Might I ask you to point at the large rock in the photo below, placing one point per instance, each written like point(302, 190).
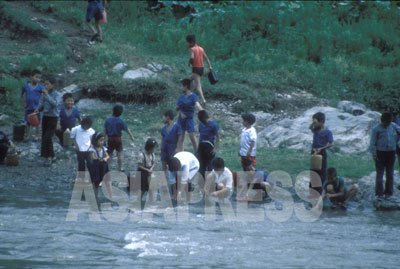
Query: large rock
point(138, 73)
point(75, 90)
point(93, 104)
point(352, 107)
point(367, 194)
point(157, 68)
point(351, 133)
point(120, 67)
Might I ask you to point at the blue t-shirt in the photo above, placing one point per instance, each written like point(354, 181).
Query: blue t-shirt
point(321, 138)
point(68, 121)
point(32, 95)
point(338, 186)
point(187, 103)
point(208, 131)
point(114, 126)
point(171, 138)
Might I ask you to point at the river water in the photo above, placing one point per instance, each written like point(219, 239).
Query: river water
point(35, 233)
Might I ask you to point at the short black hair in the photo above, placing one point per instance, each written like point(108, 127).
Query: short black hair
point(174, 164)
point(202, 115)
point(191, 39)
point(36, 72)
point(117, 110)
point(67, 95)
point(87, 121)
point(386, 117)
point(218, 163)
point(169, 114)
point(151, 143)
point(186, 82)
point(51, 79)
point(250, 118)
point(331, 171)
point(96, 136)
point(319, 116)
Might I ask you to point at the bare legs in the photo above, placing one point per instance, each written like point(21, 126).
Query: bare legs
point(197, 84)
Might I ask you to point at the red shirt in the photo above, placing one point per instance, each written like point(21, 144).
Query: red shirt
point(198, 58)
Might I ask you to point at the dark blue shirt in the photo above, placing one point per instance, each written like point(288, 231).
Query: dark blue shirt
point(338, 186)
point(114, 126)
point(187, 103)
point(32, 95)
point(321, 138)
point(384, 139)
point(68, 120)
point(171, 138)
point(208, 131)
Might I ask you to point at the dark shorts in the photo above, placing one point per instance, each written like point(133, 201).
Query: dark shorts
point(114, 143)
point(398, 151)
point(198, 70)
point(94, 10)
point(186, 124)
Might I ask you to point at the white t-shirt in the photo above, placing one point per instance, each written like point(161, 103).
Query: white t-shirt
point(225, 178)
point(248, 135)
point(189, 165)
point(82, 137)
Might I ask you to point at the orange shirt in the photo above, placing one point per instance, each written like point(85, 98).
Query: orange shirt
point(198, 60)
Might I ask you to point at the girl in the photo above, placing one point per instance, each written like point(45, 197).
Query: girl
point(98, 162)
point(146, 166)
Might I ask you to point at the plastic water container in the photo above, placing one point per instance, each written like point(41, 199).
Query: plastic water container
point(67, 138)
point(316, 162)
point(19, 132)
point(33, 119)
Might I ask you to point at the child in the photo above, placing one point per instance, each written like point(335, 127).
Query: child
point(32, 91)
point(146, 166)
point(68, 116)
point(322, 139)
point(95, 10)
point(48, 106)
point(186, 105)
point(208, 141)
point(113, 128)
point(248, 140)
point(197, 55)
point(82, 135)
point(170, 134)
point(98, 162)
point(219, 182)
point(336, 190)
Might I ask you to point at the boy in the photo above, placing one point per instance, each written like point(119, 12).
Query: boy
point(113, 128)
point(255, 180)
point(185, 166)
point(248, 140)
point(170, 135)
point(336, 191)
point(32, 91)
point(82, 135)
point(208, 141)
point(197, 55)
point(95, 10)
point(219, 182)
point(68, 116)
point(48, 106)
point(383, 150)
point(322, 139)
point(186, 105)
